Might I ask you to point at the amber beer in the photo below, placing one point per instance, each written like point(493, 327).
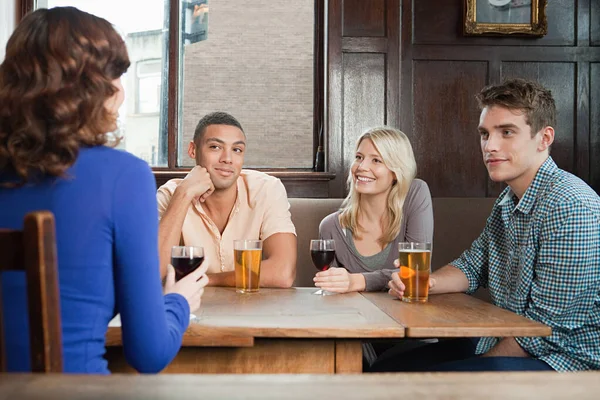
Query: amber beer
point(247, 256)
point(415, 267)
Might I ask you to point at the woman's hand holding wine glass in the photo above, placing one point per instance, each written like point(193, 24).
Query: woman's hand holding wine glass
point(186, 274)
point(339, 280)
point(322, 253)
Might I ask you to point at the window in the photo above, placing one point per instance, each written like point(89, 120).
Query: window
point(254, 60)
point(148, 74)
point(257, 64)
point(142, 30)
point(7, 21)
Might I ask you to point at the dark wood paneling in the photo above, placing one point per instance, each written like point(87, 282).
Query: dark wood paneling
point(595, 23)
point(334, 97)
point(364, 99)
point(441, 22)
point(319, 88)
point(392, 116)
point(173, 86)
point(444, 135)
point(560, 79)
point(364, 18)
point(505, 53)
point(406, 64)
point(439, 71)
point(364, 45)
point(583, 22)
point(582, 122)
point(595, 126)
point(364, 74)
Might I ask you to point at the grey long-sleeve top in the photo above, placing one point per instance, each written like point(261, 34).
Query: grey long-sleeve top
point(416, 226)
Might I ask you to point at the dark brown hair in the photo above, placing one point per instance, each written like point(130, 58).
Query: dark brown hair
point(531, 98)
point(54, 82)
point(215, 118)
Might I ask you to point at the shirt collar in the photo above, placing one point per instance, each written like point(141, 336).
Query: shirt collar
point(542, 179)
point(508, 197)
point(241, 193)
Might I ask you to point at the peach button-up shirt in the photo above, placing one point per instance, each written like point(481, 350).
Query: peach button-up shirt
point(261, 209)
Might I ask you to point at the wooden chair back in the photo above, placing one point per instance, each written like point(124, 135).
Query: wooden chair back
point(33, 250)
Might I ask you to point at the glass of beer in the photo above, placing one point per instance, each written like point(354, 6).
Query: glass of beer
point(247, 256)
point(415, 267)
point(186, 259)
point(322, 253)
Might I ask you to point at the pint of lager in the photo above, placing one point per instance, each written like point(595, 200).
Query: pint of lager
point(247, 256)
point(415, 267)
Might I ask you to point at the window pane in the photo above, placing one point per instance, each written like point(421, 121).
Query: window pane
point(148, 86)
point(7, 21)
point(257, 64)
point(141, 25)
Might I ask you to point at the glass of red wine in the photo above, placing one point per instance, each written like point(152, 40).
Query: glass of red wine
point(186, 259)
point(322, 253)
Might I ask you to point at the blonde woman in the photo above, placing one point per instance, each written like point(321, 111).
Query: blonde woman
point(385, 205)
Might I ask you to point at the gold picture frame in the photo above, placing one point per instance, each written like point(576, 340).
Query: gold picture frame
point(505, 17)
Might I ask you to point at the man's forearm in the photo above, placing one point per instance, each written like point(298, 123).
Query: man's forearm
point(449, 279)
point(169, 229)
point(507, 347)
point(278, 268)
point(222, 279)
point(274, 273)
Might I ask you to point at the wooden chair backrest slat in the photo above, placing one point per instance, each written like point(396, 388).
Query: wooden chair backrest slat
point(33, 250)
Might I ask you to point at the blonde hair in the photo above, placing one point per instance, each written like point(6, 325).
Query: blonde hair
point(397, 154)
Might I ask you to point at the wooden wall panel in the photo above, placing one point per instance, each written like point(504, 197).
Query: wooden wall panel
point(444, 135)
point(595, 126)
point(364, 99)
point(435, 72)
point(364, 18)
point(560, 79)
point(441, 22)
point(595, 23)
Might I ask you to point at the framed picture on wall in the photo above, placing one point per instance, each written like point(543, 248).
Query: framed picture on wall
point(505, 17)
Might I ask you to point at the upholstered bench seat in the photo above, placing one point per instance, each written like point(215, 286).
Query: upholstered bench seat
point(457, 222)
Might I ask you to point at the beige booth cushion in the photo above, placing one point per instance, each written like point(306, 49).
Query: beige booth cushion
point(306, 216)
point(457, 222)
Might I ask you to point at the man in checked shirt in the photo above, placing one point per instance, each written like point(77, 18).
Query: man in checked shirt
point(539, 253)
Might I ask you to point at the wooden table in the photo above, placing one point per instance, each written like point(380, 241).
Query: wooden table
point(456, 315)
point(274, 331)
point(436, 386)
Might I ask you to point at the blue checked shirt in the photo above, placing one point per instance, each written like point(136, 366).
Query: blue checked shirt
point(540, 258)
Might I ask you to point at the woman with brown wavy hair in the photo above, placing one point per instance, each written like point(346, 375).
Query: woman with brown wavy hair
point(60, 92)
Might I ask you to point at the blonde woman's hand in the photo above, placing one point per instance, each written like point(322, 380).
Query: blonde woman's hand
point(339, 280)
point(191, 286)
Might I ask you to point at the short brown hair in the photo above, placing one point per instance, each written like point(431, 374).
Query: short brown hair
point(534, 100)
point(215, 118)
point(54, 81)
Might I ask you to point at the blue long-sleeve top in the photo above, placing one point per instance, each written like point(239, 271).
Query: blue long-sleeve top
point(107, 247)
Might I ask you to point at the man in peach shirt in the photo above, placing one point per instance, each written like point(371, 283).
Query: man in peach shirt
point(218, 202)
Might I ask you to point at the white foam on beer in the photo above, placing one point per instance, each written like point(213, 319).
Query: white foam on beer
point(415, 251)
